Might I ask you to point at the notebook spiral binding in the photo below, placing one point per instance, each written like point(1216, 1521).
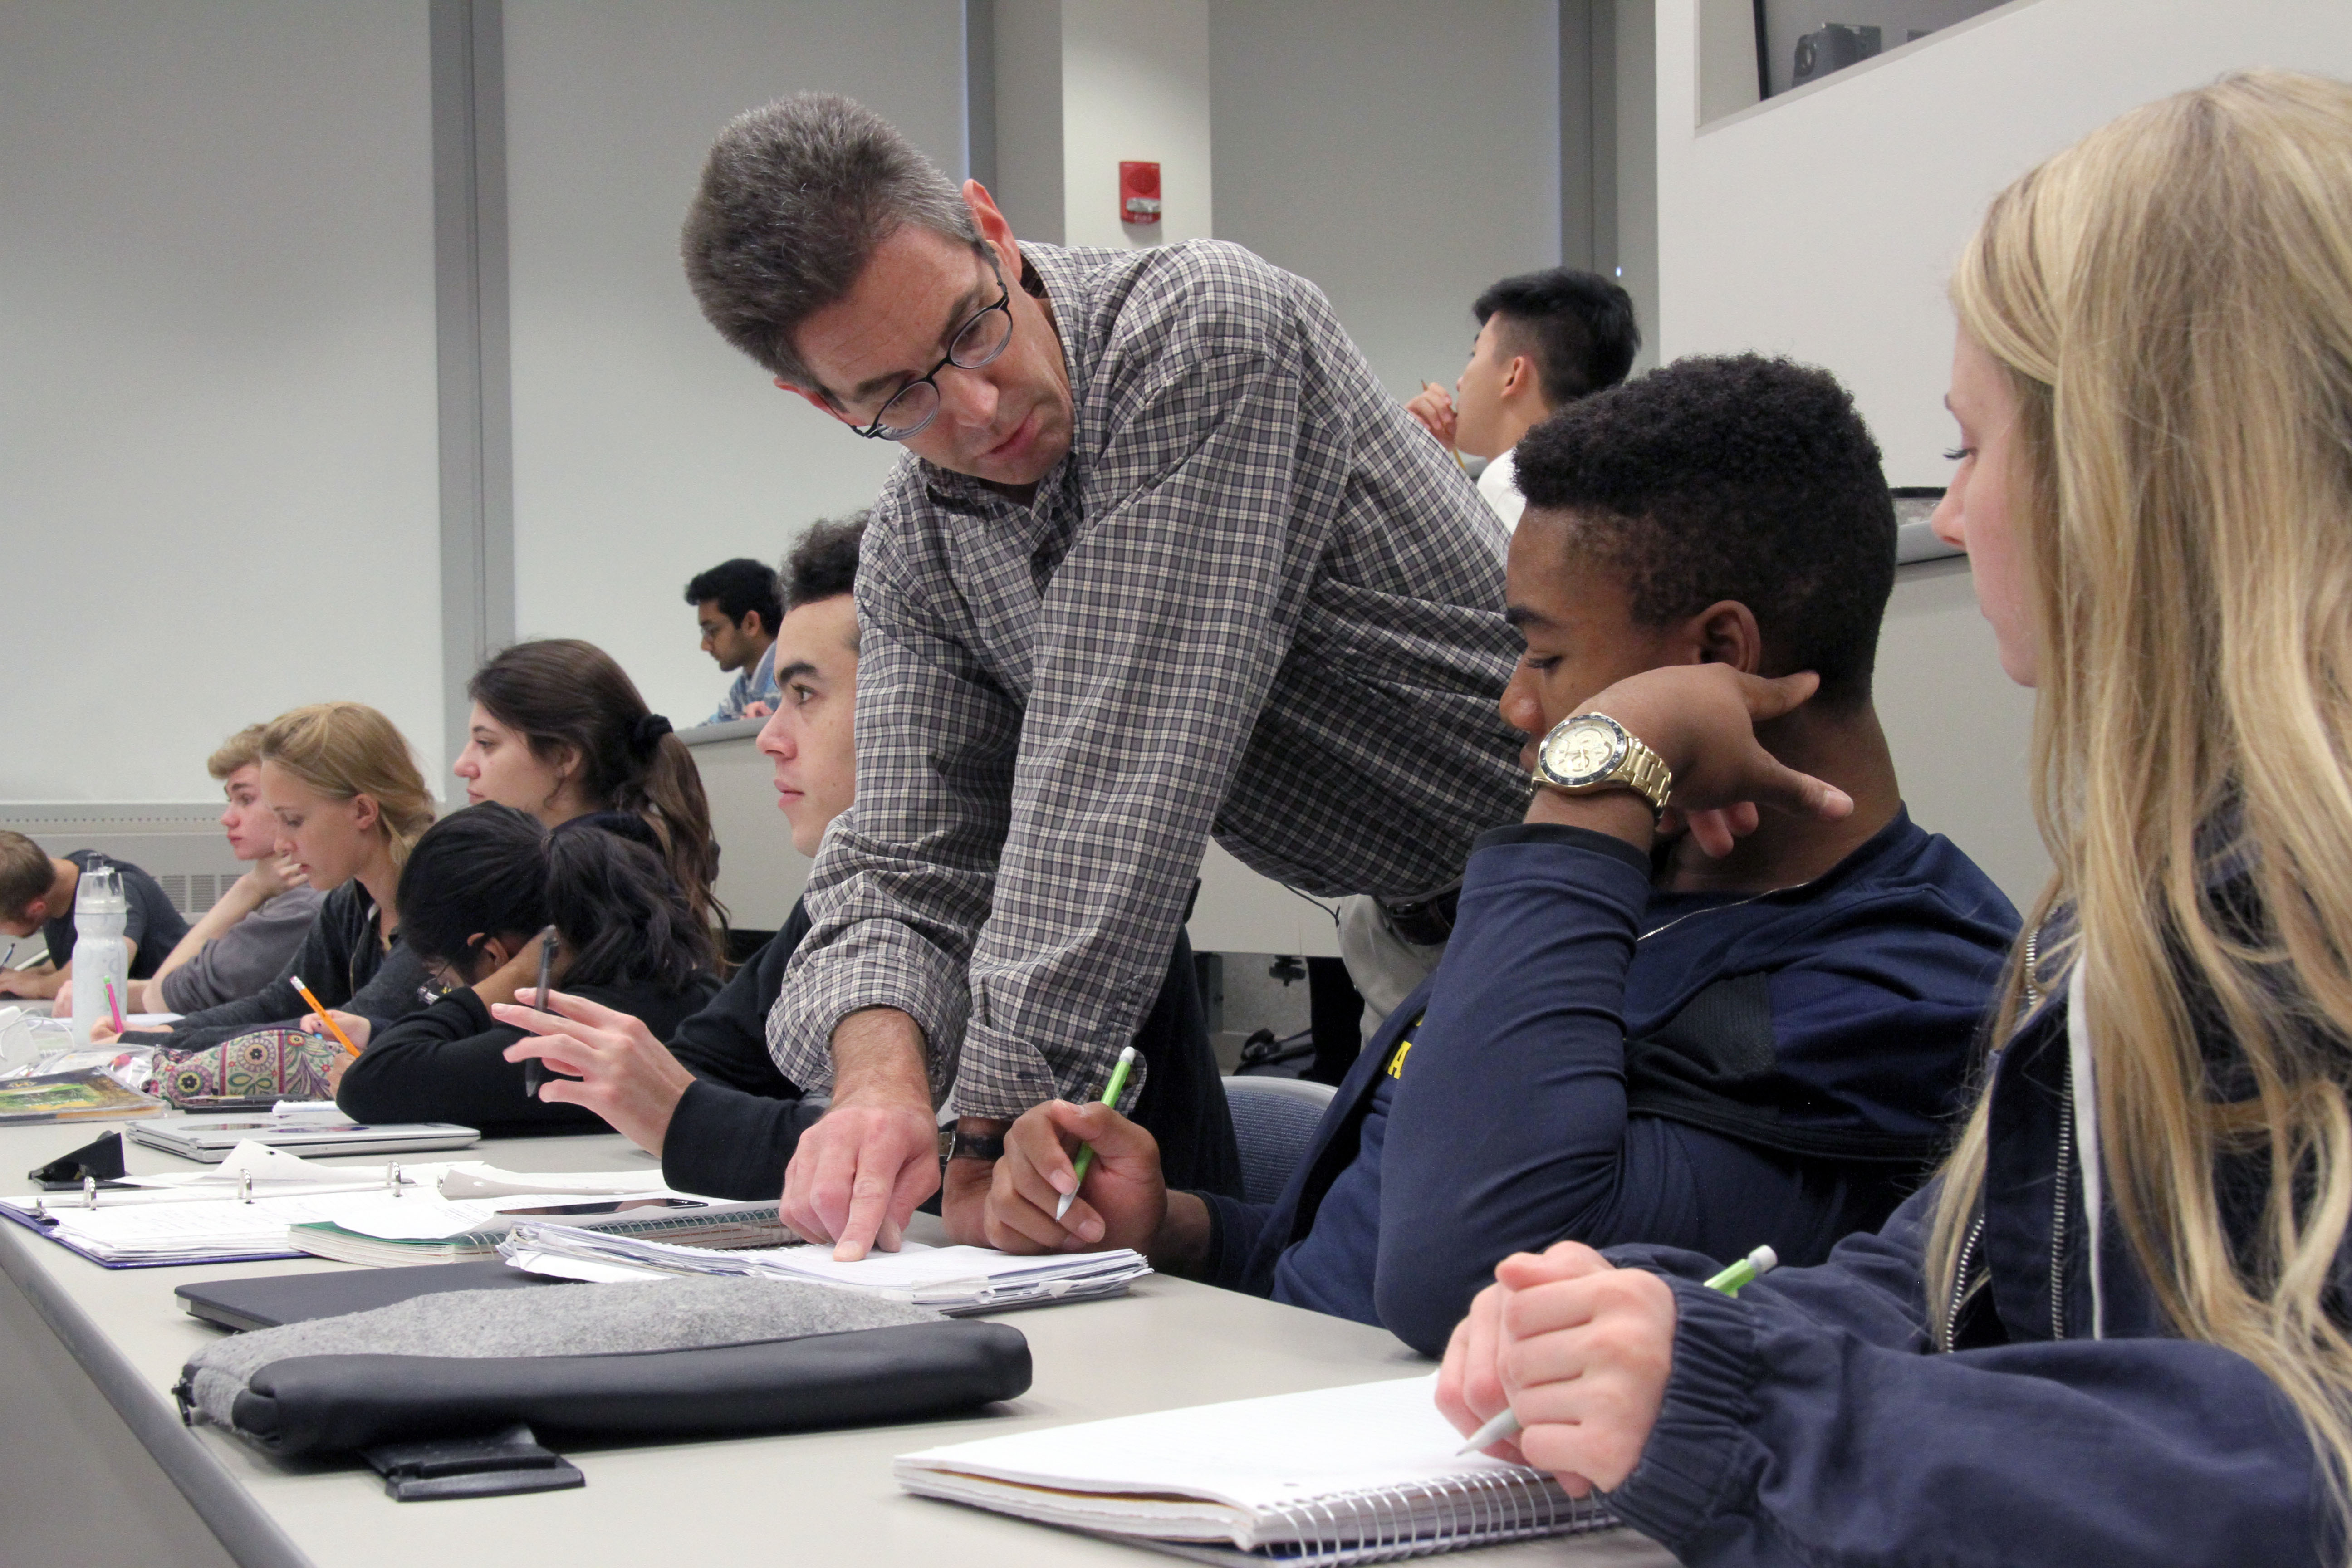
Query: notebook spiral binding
point(1383, 1524)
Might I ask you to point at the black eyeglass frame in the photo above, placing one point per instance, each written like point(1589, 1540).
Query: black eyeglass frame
point(875, 432)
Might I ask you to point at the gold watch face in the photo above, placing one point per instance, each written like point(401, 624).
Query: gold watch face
point(1582, 751)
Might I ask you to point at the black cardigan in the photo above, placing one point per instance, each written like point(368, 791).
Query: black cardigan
point(343, 963)
point(446, 1062)
point(734, 1133)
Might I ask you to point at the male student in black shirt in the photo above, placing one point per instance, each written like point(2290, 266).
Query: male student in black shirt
point(36, 894)
point(711, 1103)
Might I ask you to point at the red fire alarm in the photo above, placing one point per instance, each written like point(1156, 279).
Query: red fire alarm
point(1139, 192)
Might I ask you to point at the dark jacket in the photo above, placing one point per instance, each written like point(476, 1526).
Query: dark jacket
point(342, 961)
point(446, 1062)
point(1808, 1420)
point(734, 1132)
point(1607, 1062)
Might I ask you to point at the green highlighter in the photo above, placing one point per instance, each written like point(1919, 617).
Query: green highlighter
point(1086, 1151)
point(1763, 1260)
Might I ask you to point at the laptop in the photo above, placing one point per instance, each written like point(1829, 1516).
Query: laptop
point(274, 1299)
point(210, 1138)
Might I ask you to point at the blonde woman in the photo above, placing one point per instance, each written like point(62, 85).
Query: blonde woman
point(2114, 1330)
point(349, 801)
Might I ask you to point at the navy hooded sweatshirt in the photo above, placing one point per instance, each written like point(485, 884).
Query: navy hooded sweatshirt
point(1599, 1060)
point(1809, 1420)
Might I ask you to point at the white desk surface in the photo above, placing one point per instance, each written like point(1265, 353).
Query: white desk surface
point(820, 1496)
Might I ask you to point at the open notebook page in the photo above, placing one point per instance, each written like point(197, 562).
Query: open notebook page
point(1250, 1454)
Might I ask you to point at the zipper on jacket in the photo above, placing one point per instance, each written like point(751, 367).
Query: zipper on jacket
point(2058, 1208)
point(1976, 1231)
point(1960, 1281)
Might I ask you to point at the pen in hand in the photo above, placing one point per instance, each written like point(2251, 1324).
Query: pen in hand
point(1086, 1151)
point(1763, 1260)
point(533, 1074)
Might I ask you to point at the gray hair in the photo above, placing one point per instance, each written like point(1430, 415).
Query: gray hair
point(794, 198)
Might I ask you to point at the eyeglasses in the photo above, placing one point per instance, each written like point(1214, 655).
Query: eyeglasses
point(977, 342)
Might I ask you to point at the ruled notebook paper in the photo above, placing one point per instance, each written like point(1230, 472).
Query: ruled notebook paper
point(1339, 1475)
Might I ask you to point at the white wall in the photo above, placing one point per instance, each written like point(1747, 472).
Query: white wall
point(1135, 87)
point(1823, 224)
point(1403, 155)
point(645, 447)
point(217, 474)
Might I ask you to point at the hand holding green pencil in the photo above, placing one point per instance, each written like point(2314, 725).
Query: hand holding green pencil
point(1110, 1094)
point(1761, 1261)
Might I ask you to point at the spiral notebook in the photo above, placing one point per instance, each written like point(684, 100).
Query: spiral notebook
point(1362, 1473)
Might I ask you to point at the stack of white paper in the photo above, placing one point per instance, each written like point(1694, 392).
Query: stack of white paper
point(956, 1280)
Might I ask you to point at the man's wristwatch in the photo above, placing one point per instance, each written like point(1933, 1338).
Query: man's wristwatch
point(1588, 752)
point(976, 1145)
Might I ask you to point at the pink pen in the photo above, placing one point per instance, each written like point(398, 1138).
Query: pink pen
point(114, 1006)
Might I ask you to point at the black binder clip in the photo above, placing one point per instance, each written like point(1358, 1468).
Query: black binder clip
point(499, 1465)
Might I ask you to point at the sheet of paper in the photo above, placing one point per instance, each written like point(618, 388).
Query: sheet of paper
point(474, 1179)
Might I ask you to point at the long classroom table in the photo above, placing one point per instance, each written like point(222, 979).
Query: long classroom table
point(819, 1496)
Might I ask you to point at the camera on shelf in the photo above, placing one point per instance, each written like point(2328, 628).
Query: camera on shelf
point(1833, 47)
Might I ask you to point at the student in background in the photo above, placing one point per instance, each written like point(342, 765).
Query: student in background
point(559, 729)
point(711, 1103)
point(36, 895)
point(1545, 339)
point(737, 606)
point(477, 889)
point(2114, 1329)
point(244, 940)
point(1638, 1033)
point(349, 804)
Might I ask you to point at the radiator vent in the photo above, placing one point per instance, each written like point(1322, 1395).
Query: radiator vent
point(193, 892)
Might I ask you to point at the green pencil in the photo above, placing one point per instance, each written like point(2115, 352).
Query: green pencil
point(1086, 1151)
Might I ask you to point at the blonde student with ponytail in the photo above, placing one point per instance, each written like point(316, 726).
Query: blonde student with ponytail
point(2113, 1329)
point(349, 804)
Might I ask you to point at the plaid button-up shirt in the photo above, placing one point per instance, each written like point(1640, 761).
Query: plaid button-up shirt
point(1254, 600)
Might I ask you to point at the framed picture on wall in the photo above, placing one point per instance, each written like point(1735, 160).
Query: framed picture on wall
point(1802, 41)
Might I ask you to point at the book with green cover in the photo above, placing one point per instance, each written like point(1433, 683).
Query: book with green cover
point(87, 1096)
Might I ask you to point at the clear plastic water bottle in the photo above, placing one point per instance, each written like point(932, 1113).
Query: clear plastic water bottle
point(100, 956)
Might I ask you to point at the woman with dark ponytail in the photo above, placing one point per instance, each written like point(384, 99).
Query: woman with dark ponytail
point(477, 889)
point(560, 731)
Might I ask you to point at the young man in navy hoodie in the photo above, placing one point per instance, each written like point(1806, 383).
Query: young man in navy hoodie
point(1754, 1034)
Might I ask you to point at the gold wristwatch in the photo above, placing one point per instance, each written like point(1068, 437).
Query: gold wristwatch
point(1588, 752)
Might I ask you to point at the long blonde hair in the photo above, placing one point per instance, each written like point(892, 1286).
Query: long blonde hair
point(346, 748)
point(2171, 300)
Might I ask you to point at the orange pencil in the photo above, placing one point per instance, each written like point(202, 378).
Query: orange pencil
point(324, 1016)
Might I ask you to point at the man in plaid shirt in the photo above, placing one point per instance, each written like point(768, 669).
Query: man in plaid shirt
point(1161, 559)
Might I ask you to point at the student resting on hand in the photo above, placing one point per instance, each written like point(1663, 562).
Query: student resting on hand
point(1752, 1030)
point(246, 940)
point(2116, 1328)
point(477, 889)
point(349, 801)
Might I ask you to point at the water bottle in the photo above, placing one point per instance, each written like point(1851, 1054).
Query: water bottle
point(100, 956)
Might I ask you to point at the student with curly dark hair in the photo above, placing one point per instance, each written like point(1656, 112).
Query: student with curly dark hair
point(477, 890)
point(1724, 1031)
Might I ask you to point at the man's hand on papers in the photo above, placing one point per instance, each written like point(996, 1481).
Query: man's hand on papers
point(858, 1175)
point(626, 1076)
